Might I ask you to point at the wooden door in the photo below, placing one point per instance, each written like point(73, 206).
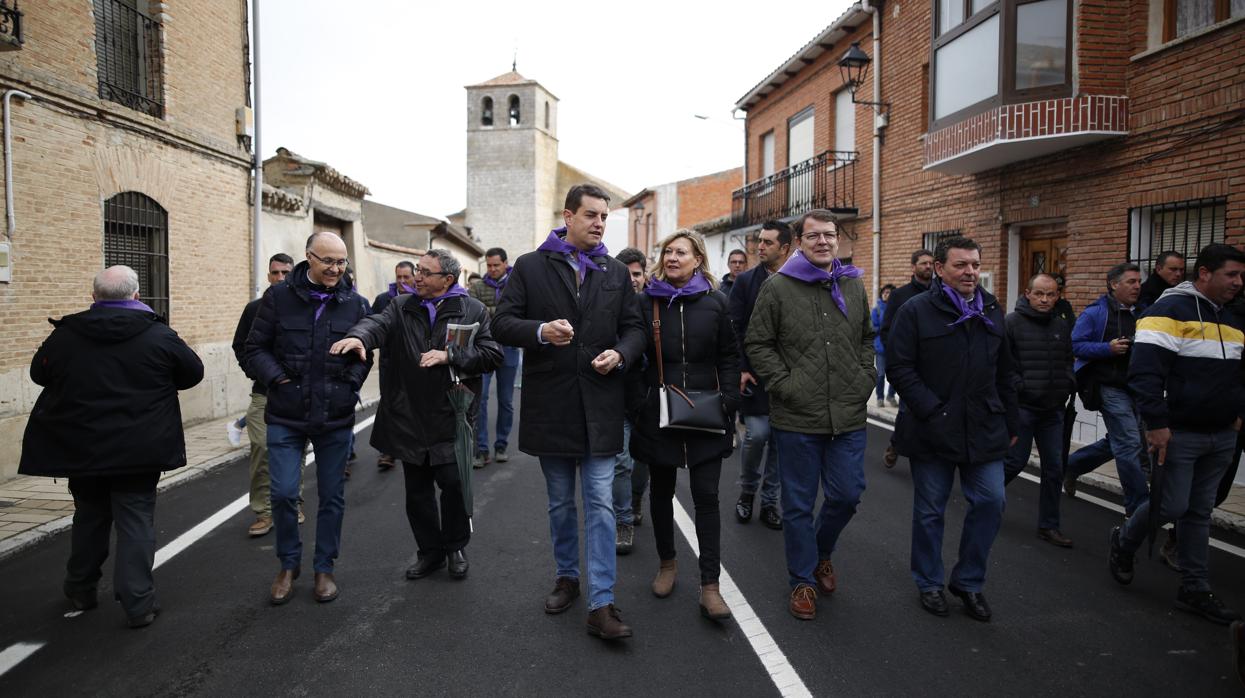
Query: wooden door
point(1043, 250)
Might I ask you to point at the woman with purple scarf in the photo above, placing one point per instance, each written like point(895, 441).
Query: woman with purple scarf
point(698, 352)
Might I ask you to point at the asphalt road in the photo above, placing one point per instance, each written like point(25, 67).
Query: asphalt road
point(1061, 625)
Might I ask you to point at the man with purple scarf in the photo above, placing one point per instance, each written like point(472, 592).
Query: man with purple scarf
point(403, 283)
point(947, 356)
point(572, 309)
point(108, 419)
point(488, 291)
point(810, 340)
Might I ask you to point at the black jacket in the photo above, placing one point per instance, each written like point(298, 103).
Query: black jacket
point(726, 283)
point(699, 352)
point(287, 341)
point(899, 296)
point(743, 298)
point(958, 403)
point(1151, 289)
point(416, 420)
point(568, 409)
point(239, 343)
point(1041, 354)
point(109, 405)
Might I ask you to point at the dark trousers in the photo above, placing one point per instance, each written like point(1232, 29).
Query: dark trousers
point(128, 503)
point(704, 481)
point(1046, 428)
point(437, 533)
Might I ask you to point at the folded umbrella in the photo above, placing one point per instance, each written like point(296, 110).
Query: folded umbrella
point(460, 397)
point(1154, 522)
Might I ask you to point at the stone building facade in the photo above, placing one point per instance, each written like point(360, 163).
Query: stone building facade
point(127, 161)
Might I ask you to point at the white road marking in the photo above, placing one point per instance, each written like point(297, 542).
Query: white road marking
point(16, 654)
point(784, 676)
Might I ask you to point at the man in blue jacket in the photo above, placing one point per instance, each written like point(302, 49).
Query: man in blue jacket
point(1102, 341)
point(311, 396)
point(1186, 376)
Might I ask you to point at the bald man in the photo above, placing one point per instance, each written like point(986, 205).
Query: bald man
point(311, 397)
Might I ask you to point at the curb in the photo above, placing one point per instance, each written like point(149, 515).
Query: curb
point(187, 473)
point(1224, 520)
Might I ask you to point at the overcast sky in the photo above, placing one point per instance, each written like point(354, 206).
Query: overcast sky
point(375, 87)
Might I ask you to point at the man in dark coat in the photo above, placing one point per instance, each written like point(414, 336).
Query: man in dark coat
point(279, 266)
point(1168, 272)
point(403, 283)
point(773, 248)
point(311, 396)
point(488, 291)
point(109, 420)
point(628, 485)
point(922, 274)
point(417, 422)
point(1041, 352)
point(736, 264)
point(947, 356)
point(572, 309)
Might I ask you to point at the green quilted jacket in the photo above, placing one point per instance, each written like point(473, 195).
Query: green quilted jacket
point(816, 363)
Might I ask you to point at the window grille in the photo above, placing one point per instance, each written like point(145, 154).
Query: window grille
point(1185, 227)
point(930, 241)
point(128, 57)
point(136, 234)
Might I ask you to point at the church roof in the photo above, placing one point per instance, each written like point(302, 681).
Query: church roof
point(511, 78)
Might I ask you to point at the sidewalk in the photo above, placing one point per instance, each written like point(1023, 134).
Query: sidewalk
point(33, 509)
point(1229, 517)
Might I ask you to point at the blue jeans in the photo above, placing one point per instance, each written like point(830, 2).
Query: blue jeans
point(982, 485)
point(1194, 466)
point(836, 463)
point(1046, 427)
point(505, 401)
point(624, 466)
point(879, 360)
point(285, 467)
point(757, 440)
point(1123, 442)
point(597, 477)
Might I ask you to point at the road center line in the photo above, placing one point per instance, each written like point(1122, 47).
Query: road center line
point(15, 654)
point(784, 676)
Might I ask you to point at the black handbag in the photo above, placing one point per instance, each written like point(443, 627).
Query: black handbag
point(689, 410)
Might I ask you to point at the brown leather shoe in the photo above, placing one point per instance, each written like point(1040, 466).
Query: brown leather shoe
point(803, 602)
point(712, 605)
point(261, 527)
point(282, 587)
point(326, 588)
point(824, 574)
point(565, 591)
point(663, 583)
point(1055, 537)
point(606, 623)
point(891, 457)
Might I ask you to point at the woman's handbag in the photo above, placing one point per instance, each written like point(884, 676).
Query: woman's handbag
point(690, 410)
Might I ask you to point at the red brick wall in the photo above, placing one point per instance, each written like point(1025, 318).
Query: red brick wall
point(706, 198)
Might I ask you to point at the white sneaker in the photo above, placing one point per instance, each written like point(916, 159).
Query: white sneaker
point(234, 431)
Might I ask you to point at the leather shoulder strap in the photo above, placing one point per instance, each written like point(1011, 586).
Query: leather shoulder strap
point(661, 371)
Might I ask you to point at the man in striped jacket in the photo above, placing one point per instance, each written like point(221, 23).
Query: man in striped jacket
point(1185, 375)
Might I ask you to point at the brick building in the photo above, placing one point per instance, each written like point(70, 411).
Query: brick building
point(126, 151)
point(700, 203)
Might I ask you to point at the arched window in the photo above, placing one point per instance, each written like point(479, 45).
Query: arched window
point(486, 112)
point(546, 116)
point(514, 110)
point(136, 234)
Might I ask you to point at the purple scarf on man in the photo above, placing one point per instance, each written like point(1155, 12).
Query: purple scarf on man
point(798, 267)
point(967, 309)
point(128, 304)
point(431, 303)
point(394, 291)
point(556, 242)
point(660, 288)
point(498, 284)
point(323, 298)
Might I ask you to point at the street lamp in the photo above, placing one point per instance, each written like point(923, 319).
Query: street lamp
point(854, 66)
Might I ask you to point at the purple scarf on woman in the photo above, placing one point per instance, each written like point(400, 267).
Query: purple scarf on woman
point(128, 304)
point(497, 284)
point(431, 303)
point(660, 288)
point(967, 309)
point(798, 267)
point(556, 242)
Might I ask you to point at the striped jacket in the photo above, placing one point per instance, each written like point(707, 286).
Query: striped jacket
point(1185, 372)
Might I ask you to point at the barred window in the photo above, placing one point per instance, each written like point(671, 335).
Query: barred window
point(136, 234)
point(128, 56)
point(1185, 227)
point(929, 241)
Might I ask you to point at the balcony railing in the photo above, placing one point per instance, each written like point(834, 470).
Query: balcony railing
point(130, 60)
point(827, 180)
point(10, 26)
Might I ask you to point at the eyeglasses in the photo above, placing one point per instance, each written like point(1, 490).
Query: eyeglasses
point(814, 237)
point(420, 271)
point(343, 263)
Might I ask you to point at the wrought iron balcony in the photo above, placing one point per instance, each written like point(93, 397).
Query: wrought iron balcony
point(827, 180)
point(10, 26)
point(130, 57)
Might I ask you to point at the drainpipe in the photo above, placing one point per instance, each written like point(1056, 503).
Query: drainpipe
point(876, 195)
point(257, 255)
point(10, 217)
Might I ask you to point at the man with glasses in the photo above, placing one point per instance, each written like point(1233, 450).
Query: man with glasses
point(403, 282)
point(279, 266)
point(737, 263)
point(311, 397)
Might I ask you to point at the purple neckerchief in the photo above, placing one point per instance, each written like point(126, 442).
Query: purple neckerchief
point(323, 298)
point(128, 304)
point(798, 267)
point(393, 289)
point(556, 242)
point(498, 284)
point(660, 288)
point(431, 303)
point(967, 309)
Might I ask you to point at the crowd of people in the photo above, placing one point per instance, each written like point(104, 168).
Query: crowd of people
point(633, 373)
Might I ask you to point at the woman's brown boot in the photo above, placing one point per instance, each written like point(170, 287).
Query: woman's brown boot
point(712, 605)
point(663, 585)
